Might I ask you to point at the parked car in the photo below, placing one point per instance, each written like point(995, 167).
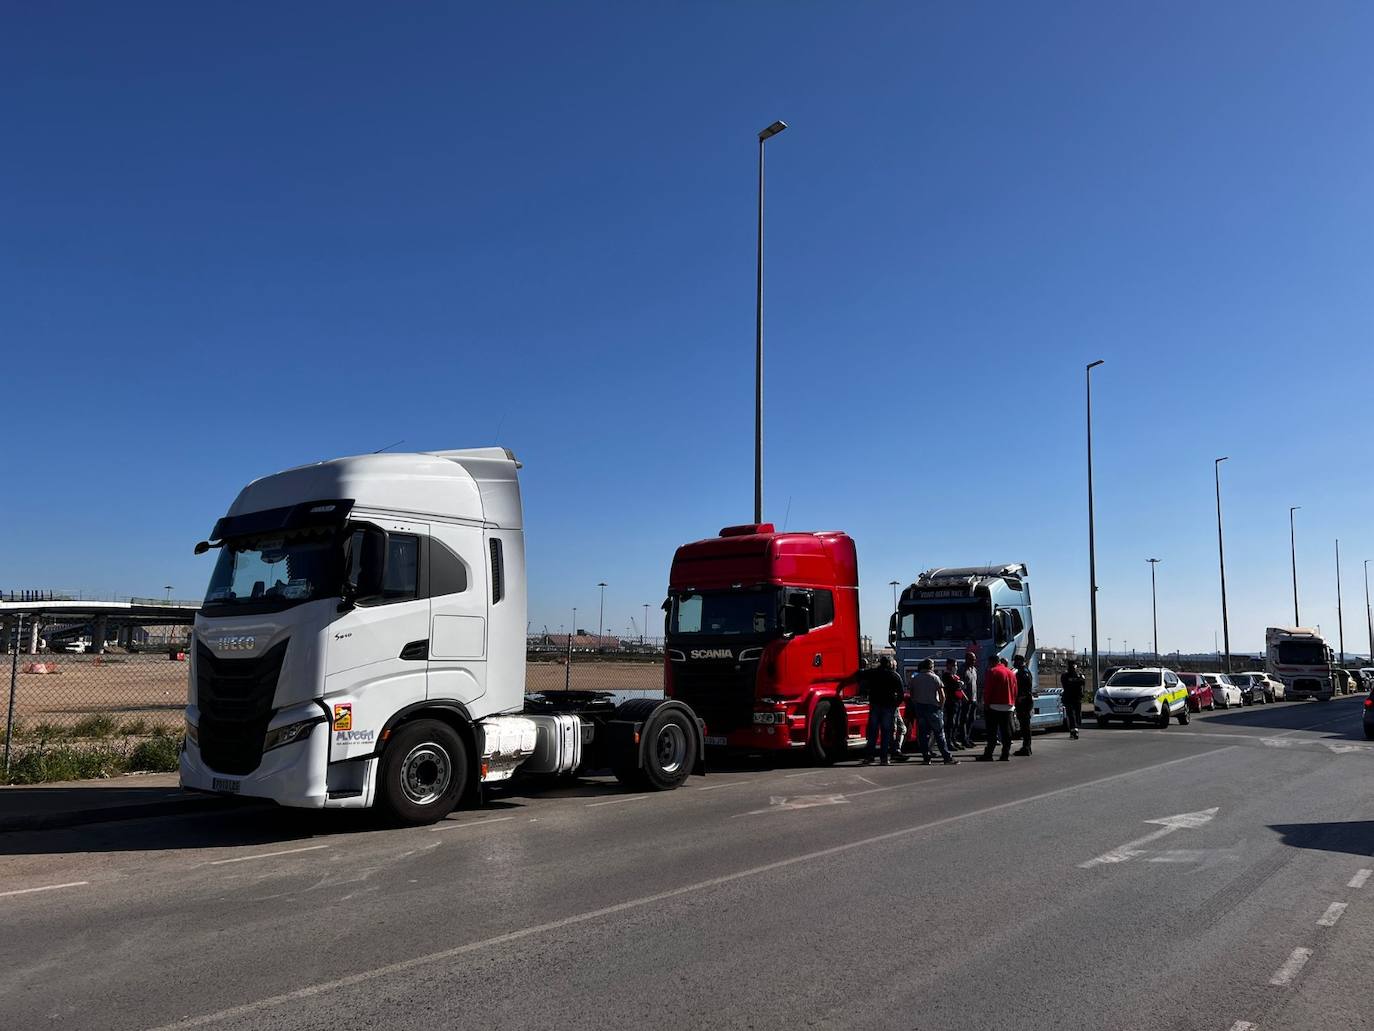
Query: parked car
point(1226, 693)
point(1153, 694)
point(1254, 690)
point(1199, 692)
point(1369, 716)
point(1359, 682)
point(1274, 688)
point(1344, 685)
point(1367, 673)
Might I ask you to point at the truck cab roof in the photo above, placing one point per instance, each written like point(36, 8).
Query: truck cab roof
point(757, 553)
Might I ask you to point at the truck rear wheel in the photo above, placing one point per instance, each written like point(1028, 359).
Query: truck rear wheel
point(828, 736)
point(423, 772)
point(669, 744)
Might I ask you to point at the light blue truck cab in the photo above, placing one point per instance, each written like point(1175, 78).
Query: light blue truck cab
point(981, 609)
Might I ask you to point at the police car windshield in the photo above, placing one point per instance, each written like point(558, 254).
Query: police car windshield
point(729, 612)
point(1135, 678)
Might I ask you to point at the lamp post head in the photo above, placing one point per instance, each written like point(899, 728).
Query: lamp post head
point(1093, 365)
point(1226, 458)
point(1293, 509)
point(1152, 560)
point(602, 584)
point(772, 130)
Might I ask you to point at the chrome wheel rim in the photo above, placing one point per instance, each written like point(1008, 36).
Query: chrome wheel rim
point(670, 748)
point(426, 772)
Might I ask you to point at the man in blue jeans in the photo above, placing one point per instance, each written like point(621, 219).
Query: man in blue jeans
point(884, 692)
point(928, 699)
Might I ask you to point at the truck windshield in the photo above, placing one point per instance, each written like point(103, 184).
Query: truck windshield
point(751, 611)
point(276, 570)
point(1302, 653)
point(964, 622)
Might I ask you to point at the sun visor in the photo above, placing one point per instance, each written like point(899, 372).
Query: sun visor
point(289, 517)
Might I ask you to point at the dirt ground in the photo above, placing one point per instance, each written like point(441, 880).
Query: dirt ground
point(152, 687)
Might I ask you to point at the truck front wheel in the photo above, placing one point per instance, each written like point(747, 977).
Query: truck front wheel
point(828, 736)
point(423, 772)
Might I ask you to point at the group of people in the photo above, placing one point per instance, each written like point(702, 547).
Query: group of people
point(943, 707)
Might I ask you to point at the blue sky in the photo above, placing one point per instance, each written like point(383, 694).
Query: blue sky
point(243, 237)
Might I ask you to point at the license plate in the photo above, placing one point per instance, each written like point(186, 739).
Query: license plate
point(1123, 708)
point(715, 740)
point(229, 787)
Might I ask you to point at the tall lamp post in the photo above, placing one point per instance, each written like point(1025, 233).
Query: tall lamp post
point(1369, 619)
point(1221, 557)
point(643, 635)
point(1154, 609)
point(601, 619)
point(1293, 551)
point(1092, 541)
point(764, 135)
point(893, 584)
point(1340, 619)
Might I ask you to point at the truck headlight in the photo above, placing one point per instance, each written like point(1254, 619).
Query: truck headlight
point(288, 734)
point(193, 733)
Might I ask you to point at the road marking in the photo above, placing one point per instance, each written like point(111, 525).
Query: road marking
point(363, 977)
point(46, 887)
point(267, 855)
point(449, 825)
point(1243, 1025)
point(1358, 880)
point(617, 801)
point(1125, 853)
point(1332, 914)
point(781, 803)
point(1292, 966)
point(808, 773)
point(729, 784)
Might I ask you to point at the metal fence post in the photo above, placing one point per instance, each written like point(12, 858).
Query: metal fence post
point(567, 667)
point(14, 677)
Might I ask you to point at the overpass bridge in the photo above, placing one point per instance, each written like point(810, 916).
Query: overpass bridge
point(24, 621)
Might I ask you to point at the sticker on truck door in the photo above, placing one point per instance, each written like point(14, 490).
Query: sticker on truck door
point(343, 715)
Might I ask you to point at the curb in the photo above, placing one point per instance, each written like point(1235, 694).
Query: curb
point(114, 813)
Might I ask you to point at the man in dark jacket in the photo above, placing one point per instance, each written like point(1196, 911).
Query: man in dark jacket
point(885, 691)
point(954, 688)
point(1072, 681)
point(1025, 701)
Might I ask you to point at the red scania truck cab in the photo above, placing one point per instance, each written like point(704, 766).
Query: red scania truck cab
point(763, 639)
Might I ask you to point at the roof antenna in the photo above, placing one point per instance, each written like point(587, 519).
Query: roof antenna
point(500, 423)
point(786, 514)
point(389, 446)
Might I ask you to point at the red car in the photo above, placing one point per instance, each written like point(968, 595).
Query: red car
point(1199, 692)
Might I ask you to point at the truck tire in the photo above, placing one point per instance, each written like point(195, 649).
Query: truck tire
point(669, 745)
point(828, 737)
point(423, 772)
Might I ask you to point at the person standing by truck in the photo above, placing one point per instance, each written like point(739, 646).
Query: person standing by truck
point(969, 674)
point(1072, 681)
point(927, 696)
point(1025, 701)
point(954, 692)
point(999, 698)
point(884, 696)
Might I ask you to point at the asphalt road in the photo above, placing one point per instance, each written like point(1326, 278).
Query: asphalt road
point(1039, 893)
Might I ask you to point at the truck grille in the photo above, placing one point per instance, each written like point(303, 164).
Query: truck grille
point(723, 696)
point(235, 699)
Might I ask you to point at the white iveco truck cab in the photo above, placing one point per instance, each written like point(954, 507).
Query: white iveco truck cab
point(362, 642)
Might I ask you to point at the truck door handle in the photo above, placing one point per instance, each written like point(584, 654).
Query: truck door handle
point(416, 650)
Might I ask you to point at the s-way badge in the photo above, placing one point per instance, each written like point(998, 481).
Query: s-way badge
point(343, 715)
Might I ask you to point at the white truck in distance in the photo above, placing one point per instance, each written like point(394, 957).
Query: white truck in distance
point(362, 642)
point(1301, 659)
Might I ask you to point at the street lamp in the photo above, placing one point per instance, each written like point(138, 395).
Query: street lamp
point(1154, 609)
point(1369, 620)
point(1340, 619)
point(1293, 551)
point(765, 134)
point(644, 633)
point(168, 589)
point(1221, 556)
point(893, 585)
point(601, 619)
point(1092, 542)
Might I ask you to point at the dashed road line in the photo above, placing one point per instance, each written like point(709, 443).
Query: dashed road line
point(1332, 914)
point(267, 855)
point(617, 801)
point(1292, 966)
point(46, 887)
point(1358, 880)
point(460, 825)
point(728, 784)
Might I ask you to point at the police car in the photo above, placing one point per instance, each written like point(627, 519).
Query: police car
point(1152, 694)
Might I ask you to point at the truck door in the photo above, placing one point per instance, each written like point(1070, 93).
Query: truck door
point(458, 614)
point(375, 659)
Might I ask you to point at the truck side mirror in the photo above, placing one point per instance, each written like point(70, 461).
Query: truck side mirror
point(892, 629)
point(796, 619)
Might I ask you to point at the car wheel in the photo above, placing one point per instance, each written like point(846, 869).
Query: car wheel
point(1369, 732)
point(1164, 719)
point(1212, 706)
point(1183, 717)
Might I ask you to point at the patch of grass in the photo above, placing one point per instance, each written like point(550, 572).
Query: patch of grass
point(158, 753)
point(135, 728)
point(96, 725)
point(66, 762)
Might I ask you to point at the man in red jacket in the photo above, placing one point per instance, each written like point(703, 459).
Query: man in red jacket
point(999, 699)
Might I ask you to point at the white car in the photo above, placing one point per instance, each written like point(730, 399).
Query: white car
point(1153, 694)
point(1224, 692)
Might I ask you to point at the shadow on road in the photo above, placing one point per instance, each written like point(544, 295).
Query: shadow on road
point(1339, 718)
point(1355, 837)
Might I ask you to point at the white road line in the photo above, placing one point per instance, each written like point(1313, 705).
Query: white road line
point(728, 784)
point(46, 887)
point(325, 987)
point(1358, 880)
point(808, 773)
point(1332, 914)
point(267, 855)
point(617, 801)
point(450, 825)
point(1243, 1025)
point(1292, 966)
